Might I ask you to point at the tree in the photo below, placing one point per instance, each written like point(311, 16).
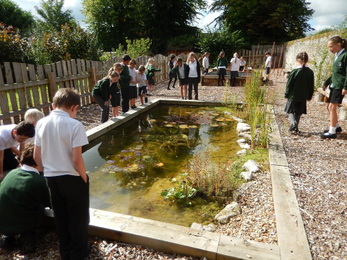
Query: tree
point(265, 21)
point(53, 16)
point(12, 15)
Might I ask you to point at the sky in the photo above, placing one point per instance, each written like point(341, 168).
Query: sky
point(327, 12)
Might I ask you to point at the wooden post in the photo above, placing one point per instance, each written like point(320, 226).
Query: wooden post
point(92, 82)
point(52, 85)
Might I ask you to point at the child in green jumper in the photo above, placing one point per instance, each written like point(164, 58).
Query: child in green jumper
point(300, 87)
point(150, 74)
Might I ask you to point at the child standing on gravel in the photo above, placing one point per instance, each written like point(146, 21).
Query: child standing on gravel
point(181, 70)
point(142, 84)
point(133, 82)
point(172, 75)
point(234, 69)
point(222, 63)
point(300, 87)
point(337, 82)
point(150, 74)
point(115, 91)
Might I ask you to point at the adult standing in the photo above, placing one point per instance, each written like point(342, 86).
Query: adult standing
point(337, 82)
point(193, 75)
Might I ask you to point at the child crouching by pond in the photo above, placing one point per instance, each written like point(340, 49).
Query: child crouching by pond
point(102, 93)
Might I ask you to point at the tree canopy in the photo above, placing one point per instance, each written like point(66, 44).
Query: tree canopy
point(12, 14)
point(115, 20)
point(265, 21)
point(53, 16)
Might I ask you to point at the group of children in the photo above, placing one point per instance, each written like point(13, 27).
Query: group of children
point(57, 154)
point(124, 80)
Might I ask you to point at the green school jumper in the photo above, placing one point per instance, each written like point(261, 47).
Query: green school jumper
point(339, 73)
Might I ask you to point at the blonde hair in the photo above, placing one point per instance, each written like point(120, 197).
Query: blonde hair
point(114, 74)
point(117, 66)
point(235, 56)
point(192, 54)
point(132, 61)
point(221, 55)
point(33, 115)
point(142, 68)
point(150, 60)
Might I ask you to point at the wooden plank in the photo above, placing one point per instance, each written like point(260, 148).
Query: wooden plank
point(28, 94)
point(80, 82)
point(40, 75)
point(32, 77)
point(68, 63)
point(13, 99)
point(74, 72)
point(85, 82)
point(3, 100)
point(20, 91)
point(12, 114)
point(60, 74)
point(48, 70)
point(66, 74)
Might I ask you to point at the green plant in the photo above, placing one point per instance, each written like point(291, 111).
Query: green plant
point(139, 47)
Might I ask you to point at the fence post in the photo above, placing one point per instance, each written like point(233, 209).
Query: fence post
point(52, 85)
point(92, 82)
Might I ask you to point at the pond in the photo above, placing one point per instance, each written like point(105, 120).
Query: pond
point(131, 165)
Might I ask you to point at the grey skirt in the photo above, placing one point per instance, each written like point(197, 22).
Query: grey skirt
point(293, 107)
point(234, 74)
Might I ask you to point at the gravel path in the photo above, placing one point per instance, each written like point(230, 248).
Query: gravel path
point(318, 174)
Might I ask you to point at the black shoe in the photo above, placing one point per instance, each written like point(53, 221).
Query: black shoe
point(173, 86)
point(6, 241)
point(330, 136)
point(293, 127)
point(168, 88)
point(149, 94)
point(338, 130)
point(182, 97)
point(28, 243)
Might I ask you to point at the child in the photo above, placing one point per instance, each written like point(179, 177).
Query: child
point(181, 69)
point(142, 83)
point(234, 69)
point(172, 75)
point(300, 87)
point(267, 65)
point(32, 115)
point(221, 66)
point(193, 75)
point(11, 136)
point(150, 74)
point(103, 90)
point(337, 82)
point(242, 64)
point(115, 91)
point(205, 62)
point(133, 82)
point(23, 196)
point(58, 150)
point(125, 82)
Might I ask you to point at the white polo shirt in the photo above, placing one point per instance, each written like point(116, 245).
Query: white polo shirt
point(57, 134)
point(193, 73)
point(142, 79)
point(205, 62)
point(133, 74)
point(235, 66)
point(268, 62)
point(6, 139)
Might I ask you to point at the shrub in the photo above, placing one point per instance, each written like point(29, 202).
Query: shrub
point(11, 45)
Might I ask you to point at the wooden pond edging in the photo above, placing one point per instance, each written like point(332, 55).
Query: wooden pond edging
point(175, 239)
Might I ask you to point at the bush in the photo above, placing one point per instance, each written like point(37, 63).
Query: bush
point(135, 48)
point(11, 45)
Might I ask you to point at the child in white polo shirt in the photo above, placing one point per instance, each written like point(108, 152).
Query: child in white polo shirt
point(58, 149)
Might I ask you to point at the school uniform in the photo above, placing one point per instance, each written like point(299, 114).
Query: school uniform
point(205, 64)
point(182, 73)
point(234, 70)
point(150, 74)
point(221, 66)
point(268, 65)
point(6, 143)
point(124, 86)
point(132, 86)
point(242, 65)
point(193, 79)
point(338, 78)
point(101, 93)
point(172, 75)
point(142, 83)
point(57, 135)
point(23, 196)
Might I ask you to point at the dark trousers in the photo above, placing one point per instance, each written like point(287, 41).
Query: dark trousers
point(10, 162)
point(221, 77)
point(193, 82)
point(125, 99)
point(105, 110)
point(70, 201)
point(175, 79)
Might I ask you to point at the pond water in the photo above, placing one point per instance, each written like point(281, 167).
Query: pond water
point(130, 166)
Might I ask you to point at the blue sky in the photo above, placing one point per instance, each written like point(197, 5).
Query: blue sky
point(327, 12)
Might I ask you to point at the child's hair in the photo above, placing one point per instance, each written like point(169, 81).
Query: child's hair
point(241, 57)
point(267, 53)
point(66, 98)
point(132, 61)
point(303, 56)
point(33, 115)
point(338, 40)
point(149, 62)
point(126, 57)
point(25, 129)
point(221, 55)
point(172, 56)
point(27, 156)
point(117, 66)
point(114, 74)
point(180, 60)
point(206, 53)
point(192, 54)
point(142, 68)
point(235, 56)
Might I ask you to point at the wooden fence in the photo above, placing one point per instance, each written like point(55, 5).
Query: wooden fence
point(24, 86)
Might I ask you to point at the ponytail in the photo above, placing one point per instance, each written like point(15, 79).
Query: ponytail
point(303, 56)
point(338, 40)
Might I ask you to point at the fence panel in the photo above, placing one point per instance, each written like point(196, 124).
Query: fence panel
point(12, 92)
point(4, 101)
point(35, 89)
point(20, 91)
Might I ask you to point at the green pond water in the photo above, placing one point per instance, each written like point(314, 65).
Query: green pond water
point(130, 166)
